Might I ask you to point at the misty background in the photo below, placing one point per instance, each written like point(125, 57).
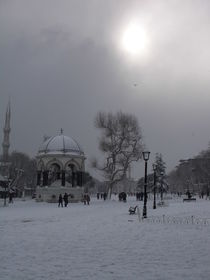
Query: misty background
point(61, 63)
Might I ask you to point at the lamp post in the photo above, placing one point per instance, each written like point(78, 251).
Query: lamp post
point(154, 169)
point(146, 158)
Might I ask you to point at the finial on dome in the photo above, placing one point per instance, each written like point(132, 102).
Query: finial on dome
point(61, 130)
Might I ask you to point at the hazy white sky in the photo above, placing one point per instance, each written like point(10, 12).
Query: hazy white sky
point(61, 62)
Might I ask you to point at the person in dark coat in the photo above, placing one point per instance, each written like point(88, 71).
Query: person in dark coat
point(88, 199)
point(65, 198)
point(60, 200)
point(124, 197)
point(84, 199)
point(141, 196)
point(10, 197)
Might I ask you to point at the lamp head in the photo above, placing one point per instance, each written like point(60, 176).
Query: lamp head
point(146, 155)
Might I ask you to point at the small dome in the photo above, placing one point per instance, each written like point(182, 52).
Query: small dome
point(60, 144)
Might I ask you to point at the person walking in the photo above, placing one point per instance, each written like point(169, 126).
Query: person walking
point(84, 199)
point(88, 199)
point(124, 197)
point(60, 200)
point(65, 198)
point(10, 197)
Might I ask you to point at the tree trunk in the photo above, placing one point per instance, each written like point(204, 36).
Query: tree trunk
point(109, 195)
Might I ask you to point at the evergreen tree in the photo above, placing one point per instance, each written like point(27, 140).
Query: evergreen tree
point(160, 164)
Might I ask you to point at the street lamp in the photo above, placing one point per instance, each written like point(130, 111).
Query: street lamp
point(146, 158)
point(154, 166)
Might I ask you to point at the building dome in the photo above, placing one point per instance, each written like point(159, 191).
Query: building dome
point(60, 144)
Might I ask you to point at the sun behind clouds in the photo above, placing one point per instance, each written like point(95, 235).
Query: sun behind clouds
point(134, 39)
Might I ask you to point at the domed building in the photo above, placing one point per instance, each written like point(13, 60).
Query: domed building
point(60, 169)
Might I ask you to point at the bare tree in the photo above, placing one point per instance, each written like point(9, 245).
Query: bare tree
point(121, 143)
point(22, 171)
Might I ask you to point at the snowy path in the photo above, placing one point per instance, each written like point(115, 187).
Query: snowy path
point(101, 241)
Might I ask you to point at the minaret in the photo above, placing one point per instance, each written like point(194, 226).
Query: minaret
point(6, 144)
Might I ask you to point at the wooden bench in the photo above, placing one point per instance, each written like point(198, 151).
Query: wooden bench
point(189, 199)
point(132, 210)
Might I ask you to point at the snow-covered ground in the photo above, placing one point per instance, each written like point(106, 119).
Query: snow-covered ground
point(102, 241)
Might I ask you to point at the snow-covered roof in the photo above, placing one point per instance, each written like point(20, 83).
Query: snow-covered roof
point(60, 144)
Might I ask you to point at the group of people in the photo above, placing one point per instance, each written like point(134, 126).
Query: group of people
point(122, 196)
point(64, 199)
point(102, 196)
point(139, 196)
point(202, 194)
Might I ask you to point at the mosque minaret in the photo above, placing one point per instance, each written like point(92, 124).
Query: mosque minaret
point(7, 129)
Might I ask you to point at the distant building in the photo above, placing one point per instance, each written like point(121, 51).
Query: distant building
point(60, 169)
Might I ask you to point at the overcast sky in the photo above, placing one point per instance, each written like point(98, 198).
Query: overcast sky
point(62, 61)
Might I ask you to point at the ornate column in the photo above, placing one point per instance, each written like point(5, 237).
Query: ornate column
point(79, 178)
point(72, 175)
point(45, 178)
point(63, 178)
point(39, 178)
point(73, 179)
point(58, 175)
